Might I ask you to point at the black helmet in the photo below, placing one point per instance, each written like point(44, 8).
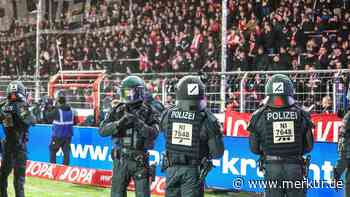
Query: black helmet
point(279, 91)
point(132, 89)
point(60, 97)
point(190, 94)
point(16, 91)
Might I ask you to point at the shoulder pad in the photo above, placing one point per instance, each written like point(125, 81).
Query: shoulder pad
point(213, 125)
point(304, 113)
point(119, 107)
point(166, 111)
point(255, 117)
point(257, 113)
point(172, 108)
point(147, 106)
point(306, 116)
point(210, 116)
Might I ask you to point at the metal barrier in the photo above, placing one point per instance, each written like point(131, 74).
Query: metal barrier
point(321, 90)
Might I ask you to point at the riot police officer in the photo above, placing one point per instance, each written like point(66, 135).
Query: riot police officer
point(133, 126)
point(155, 104)
point(193, 137)
point(281, 133)
point(16, 120)
point(62, 118)
point(343, 162)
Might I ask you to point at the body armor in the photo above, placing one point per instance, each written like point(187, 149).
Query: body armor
point(283, 132)
point(132, 138)
point(183, 134)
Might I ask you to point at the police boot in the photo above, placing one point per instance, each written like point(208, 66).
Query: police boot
point(19, 186)
point(3, 186)
point(3, 192)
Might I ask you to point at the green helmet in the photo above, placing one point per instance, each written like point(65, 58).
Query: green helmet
point(132, 89)
point(60, 97)
point(16, 91)
point(279, 91)
point(190, 94)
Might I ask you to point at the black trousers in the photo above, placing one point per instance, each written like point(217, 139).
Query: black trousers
point(13, 158)
point(56, 144)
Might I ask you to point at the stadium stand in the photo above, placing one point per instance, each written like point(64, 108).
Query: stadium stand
point(182, 35)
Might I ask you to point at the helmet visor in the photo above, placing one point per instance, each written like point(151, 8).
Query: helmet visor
point(132, 94)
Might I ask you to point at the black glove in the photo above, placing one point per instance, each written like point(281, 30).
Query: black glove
point(143, 128)
point(126, 122)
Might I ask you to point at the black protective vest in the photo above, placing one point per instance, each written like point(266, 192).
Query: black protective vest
point(283, 134)
point(132, 138)
point(183, 134)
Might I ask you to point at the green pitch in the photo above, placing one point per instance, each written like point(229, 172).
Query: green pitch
point(36, 187)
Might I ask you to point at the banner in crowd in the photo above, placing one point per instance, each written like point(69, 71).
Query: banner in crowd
point(326, 125)
point(237, 169)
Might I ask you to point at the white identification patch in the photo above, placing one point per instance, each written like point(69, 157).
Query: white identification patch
point(278, 88)
point(283, 132)
point(182, 134)
point(192, 89)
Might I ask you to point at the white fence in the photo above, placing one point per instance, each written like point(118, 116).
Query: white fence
point(323, 90)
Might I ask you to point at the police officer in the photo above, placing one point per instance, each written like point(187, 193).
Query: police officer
point(155, 104)
point(133, 126)
point(40, 110)
point(281, 133)
point(16, 120)
point(193, 137)
point(343, 162)
point(62, 128)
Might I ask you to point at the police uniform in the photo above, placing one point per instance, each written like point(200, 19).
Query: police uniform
point(16, 120)
point(343, 162)
point(62, 118)
point(193, 138)
point(62, 132)
point(281, 133)
point(133, 126)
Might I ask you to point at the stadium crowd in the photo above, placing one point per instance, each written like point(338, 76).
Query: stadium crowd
point(185, 36)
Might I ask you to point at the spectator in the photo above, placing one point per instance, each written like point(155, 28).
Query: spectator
point(326, 105)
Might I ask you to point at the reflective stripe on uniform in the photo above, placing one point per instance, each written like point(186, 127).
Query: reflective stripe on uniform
point(61, 121)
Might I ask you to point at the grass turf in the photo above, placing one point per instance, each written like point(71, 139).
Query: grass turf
point(36, 187)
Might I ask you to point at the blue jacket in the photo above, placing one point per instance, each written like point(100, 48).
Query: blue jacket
point(62, 125)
